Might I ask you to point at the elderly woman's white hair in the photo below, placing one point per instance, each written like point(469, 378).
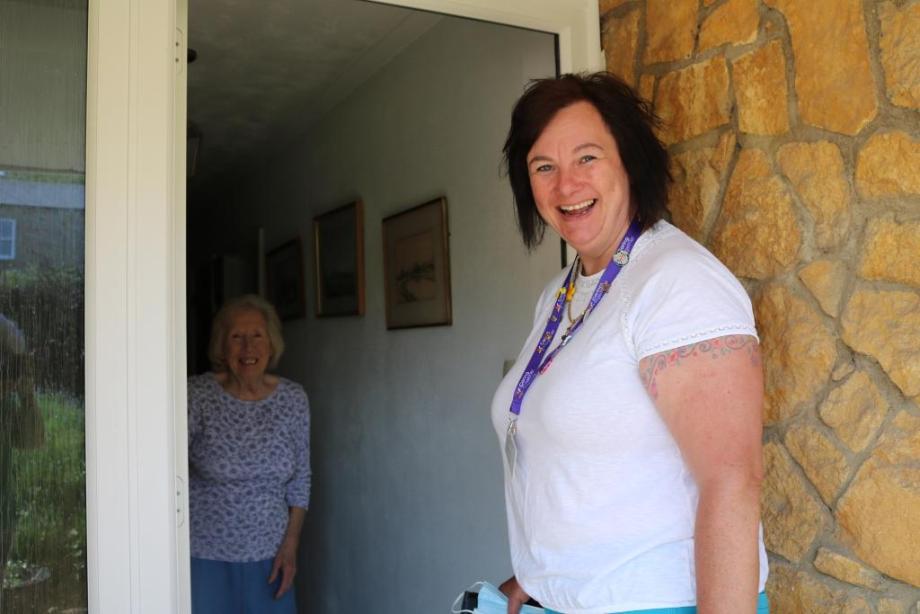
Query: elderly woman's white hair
point(246, 302)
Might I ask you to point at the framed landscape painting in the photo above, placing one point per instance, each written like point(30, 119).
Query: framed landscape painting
point(338, 244)
point(284, 277)
point(416, 265)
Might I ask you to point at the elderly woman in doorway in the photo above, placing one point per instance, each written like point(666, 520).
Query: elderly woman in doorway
point(249, 467)
point(630, 424)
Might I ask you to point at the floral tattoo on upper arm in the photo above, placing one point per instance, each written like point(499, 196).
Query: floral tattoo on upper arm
point(651, 366)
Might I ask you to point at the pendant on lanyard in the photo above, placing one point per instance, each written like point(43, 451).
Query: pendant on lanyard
point(538, 363)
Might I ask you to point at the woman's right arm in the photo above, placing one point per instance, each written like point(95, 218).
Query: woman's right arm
point(515, 594)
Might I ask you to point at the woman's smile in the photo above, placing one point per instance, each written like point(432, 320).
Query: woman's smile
point(248, 348)
point(578, 209)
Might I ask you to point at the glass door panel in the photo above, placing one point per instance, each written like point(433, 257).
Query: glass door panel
point(42, 163)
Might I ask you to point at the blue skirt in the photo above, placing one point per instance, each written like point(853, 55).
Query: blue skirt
point(219, 587)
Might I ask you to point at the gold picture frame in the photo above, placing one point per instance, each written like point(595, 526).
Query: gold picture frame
point(416, 262)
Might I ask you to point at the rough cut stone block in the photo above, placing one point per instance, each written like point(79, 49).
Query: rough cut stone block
point(854, 410)
point(846, 569)
point(817, 174)
point(757, 234)
point(609, 5)
point(693, 100)
point(900, 47)
point(842, 370)
point(890, 606)
point(887, 165)
point(735, 23)
point(698, 178)
point(798, 351)
point(878, 513)
point(892, 251)
point(620, 41)
point(647, 87)
point(822, 462)
point(792, 518)
point(670, 26)
point(795, 592)
point(826, 280)
point(833, 80)
point(886, 326)
point(760, 89)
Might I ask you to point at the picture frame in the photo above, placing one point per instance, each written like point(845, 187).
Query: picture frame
point(338, 247)
point(284, 279)
point(416, 262)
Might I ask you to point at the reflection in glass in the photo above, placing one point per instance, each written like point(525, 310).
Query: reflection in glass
point(42, 468)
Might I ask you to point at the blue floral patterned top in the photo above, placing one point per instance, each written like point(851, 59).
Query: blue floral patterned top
point(248, 461)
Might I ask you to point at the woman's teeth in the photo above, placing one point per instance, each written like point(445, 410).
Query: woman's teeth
point(577, 207)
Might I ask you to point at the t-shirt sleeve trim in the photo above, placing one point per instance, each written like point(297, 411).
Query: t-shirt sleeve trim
point(682, 295)
point(704, 335)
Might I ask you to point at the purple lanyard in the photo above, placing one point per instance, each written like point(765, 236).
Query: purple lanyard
point(536, 367)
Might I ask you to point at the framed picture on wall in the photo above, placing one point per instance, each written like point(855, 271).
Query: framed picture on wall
point(416, 262)
point(284, 279)
point(338, 245)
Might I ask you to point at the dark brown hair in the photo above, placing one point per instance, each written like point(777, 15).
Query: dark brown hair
point(630, 121)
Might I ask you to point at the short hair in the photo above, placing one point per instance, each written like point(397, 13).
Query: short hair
point(629, 119)
point(246, 302)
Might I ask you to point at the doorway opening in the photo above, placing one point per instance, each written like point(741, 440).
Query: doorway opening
point(308, 108)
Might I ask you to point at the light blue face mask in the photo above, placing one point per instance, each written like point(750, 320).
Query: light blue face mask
point(492, 601)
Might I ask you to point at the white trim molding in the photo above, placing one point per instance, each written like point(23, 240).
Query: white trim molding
point(134, 338)
point(575, 22)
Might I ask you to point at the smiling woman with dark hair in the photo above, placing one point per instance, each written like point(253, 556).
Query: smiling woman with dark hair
point(249, 467)
point(630, 424)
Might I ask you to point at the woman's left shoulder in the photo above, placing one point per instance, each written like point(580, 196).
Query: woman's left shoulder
point(667, 247)
point(669, 258)
point(291, 391)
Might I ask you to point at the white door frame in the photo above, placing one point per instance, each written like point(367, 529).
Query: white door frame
point(135, 305)
point(135, 281)
point(575, 22)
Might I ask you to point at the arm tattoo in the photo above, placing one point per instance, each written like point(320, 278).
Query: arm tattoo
point(651, 366)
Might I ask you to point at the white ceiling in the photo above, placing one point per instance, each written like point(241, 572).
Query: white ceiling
point(268, 69)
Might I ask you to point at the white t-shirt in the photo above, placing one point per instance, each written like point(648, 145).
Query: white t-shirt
point(601, 506)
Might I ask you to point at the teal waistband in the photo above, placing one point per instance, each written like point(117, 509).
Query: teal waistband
point(763, 607)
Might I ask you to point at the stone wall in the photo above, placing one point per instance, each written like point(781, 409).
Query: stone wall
point(794, 127)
